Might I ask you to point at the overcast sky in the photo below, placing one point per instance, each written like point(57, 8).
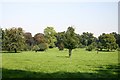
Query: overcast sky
point(94, 17)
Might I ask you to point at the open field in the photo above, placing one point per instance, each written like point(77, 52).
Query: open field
point(56, 64)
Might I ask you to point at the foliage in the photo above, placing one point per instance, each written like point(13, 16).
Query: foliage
point(1, 31)
point(81, 46)
point(39, 38)
point(50, 33)
point(35, 48)
point(60, 40)
point(13, 39)
point(118, 49)
point(117, 37)
point(107, 41)
point(90, 48)
point(61, 46)
point(87, 38)
point(70, 40)
point(28, 40)
point(42, 46)
point(99, 46)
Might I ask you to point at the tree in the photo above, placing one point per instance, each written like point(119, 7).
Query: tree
point(117, 37)
point(80, 45)
point(1, 37)
point(70, 40)
point(60, 40)
point(50, 34)
point(39, 38)
point(13, 39)
point(89, 48)
point(29, 40)
point(107, 41)
point(40, 42)
point(87, 39)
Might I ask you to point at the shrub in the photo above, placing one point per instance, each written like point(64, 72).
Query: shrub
point(81, 46)
point(35, 48)
point(61, 46)
point(42, 46)
point(118, 49)
point(89, 48)
point(94, 45)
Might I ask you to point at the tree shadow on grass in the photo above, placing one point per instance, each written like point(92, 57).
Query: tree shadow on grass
point(105, 51)
point(109, 71)
point(63, 56)
point(101, 73)
point(8, 52)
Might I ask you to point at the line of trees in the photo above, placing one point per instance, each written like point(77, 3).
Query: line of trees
point(15, 39)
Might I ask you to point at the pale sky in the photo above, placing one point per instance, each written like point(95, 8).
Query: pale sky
point(94, 17)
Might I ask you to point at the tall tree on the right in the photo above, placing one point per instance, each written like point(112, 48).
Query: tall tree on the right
point(117, 37)
point(107, 41)
point(70, 40)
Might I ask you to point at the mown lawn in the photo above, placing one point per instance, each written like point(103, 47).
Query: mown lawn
point(56, 64)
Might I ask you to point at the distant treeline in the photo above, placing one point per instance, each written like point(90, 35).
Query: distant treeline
point(15, 39)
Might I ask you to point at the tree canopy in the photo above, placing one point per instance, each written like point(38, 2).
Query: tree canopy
point(50, 33)
point(70, 40)
point(107, 41)
point(13, 39)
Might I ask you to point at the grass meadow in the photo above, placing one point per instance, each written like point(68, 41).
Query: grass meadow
point(56, 64)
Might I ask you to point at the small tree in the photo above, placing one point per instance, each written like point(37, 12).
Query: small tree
point(70, 40)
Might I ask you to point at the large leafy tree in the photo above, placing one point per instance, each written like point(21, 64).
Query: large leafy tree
point(70, 40)
point(107, 41)
point(13, 39)
point(50, 34)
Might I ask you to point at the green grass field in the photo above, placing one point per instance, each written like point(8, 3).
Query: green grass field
point(56, 64)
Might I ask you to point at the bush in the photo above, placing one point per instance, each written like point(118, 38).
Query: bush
point(42, 46)
point(61, 46)
point(89, 48)
point(35, 48)
point(81, 46)
point(118, 49)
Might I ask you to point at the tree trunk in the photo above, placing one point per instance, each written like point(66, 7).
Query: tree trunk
point(97, 51)
point(70, 52)
point(15, 50)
